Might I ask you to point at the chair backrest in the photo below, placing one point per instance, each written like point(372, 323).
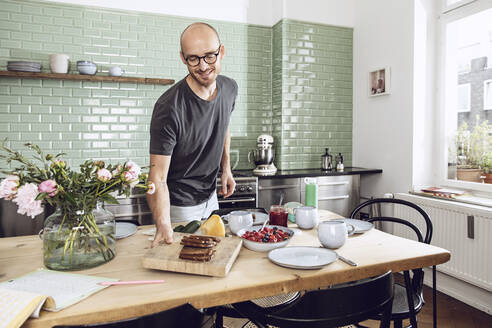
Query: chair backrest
point(339, 305)
point(428, 223)
point(182, 316)
point(332, 307)
point(418, 274)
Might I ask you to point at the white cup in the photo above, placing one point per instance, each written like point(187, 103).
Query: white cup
point(59, 63)
point(306, 217)
point(333, 234)
point(239, 220)
point(115, 71)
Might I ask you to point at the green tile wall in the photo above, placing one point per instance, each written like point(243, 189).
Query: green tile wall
point(299, 89)
point(110, 120)
point(311, 93)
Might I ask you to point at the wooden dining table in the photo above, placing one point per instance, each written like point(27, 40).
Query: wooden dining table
point(252, 275)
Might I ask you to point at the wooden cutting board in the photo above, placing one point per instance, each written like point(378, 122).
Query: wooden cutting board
point(166, 257)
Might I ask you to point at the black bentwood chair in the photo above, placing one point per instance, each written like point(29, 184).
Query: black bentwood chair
point(409, 298)
point(182, 316)
point(267, 304)
point(336, 306)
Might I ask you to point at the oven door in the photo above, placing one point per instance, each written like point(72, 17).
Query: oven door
point(237, 202)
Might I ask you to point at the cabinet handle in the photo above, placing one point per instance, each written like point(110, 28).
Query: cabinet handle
point(277, 187)
point(238, 200)
point(120, 215)
point(334, 183)
point(334, 197)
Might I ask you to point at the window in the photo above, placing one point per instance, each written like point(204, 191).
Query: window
point(463, 104)
point(466, 111)
point(487, 94)
point(452, 4)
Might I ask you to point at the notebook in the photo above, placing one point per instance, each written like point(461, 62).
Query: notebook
point(24, 296)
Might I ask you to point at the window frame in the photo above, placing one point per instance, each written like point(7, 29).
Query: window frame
point(489, 81)
point(460, 3)
point(449, 15)
point(468, 108)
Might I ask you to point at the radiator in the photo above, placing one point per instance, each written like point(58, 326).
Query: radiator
point(465, 230)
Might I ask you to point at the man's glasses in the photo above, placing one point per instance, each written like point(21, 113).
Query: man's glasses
point(208, 58)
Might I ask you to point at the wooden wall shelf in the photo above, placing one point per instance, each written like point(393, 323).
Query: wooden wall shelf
point(92, 78)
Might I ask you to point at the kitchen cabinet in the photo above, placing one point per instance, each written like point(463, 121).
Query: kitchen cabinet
point(339, 194)
point(270, 190)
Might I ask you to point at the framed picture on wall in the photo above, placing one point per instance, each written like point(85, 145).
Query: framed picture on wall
point(379, 82)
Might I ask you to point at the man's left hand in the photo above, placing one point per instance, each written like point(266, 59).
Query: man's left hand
point(228, 183)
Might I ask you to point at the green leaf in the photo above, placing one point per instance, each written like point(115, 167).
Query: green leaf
point(41, 196)
point(70, 198)
point(109, 199)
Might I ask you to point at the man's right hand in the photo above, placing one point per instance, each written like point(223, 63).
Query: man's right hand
point(164, 232)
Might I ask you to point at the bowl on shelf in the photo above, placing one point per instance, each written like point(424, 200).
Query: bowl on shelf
point(255, 240)
point(86, 67)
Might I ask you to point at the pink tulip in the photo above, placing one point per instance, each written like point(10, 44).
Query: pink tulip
point(104, 175)
point(150, 188)
point(8, 187)
point(133, 167)
point(129, 176)
point(49, 186)
point(59, 163)
point(26, 200)
point(117, 170)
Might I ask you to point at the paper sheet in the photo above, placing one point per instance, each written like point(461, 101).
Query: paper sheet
point(17, 306)
point(63, 289)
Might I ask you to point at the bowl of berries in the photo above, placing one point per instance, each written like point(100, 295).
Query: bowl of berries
point(265, 239)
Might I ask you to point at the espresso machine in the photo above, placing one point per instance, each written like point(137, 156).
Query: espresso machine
point(263, 156)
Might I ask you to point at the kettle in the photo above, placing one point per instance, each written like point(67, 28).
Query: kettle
point(326, 160)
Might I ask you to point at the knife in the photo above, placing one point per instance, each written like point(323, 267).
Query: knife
point(349, 262)
point(344, 259)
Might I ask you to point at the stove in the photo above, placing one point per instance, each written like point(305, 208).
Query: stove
point(136, 210)
point(245, 194)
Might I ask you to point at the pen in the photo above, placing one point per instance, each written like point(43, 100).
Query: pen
point(130, 282)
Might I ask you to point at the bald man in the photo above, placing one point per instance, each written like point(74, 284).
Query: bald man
point(189, 136)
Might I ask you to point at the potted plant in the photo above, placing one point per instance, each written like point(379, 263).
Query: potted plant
point(487, 167)
point(470, 149)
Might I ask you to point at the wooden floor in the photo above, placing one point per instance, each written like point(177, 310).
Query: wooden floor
point(451, 313)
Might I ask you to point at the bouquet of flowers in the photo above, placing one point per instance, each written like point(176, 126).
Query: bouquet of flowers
point(74, 194)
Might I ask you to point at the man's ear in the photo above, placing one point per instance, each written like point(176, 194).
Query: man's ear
point(222, 51)
point(182, 57)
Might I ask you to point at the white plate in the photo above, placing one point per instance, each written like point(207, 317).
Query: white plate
point(302, 257)
point(26, 69)
point(124, 229)
point(360, 226)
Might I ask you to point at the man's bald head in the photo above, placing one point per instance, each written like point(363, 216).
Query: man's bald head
point(197, 28)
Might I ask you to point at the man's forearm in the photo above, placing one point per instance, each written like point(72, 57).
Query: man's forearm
point(160, 204)
point(225, 162)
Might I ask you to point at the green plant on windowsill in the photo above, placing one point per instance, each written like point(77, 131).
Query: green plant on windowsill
point(471, 146)
point(487, 167)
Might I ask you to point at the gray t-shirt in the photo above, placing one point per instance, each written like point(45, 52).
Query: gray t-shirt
point(192, 131)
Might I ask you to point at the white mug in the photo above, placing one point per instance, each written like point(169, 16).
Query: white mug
point(306, 217)
point(115, 71)
point(59, 63)
point(333, 234)
point(239, 220)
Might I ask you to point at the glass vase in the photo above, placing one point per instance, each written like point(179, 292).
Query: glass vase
point(78, 240)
